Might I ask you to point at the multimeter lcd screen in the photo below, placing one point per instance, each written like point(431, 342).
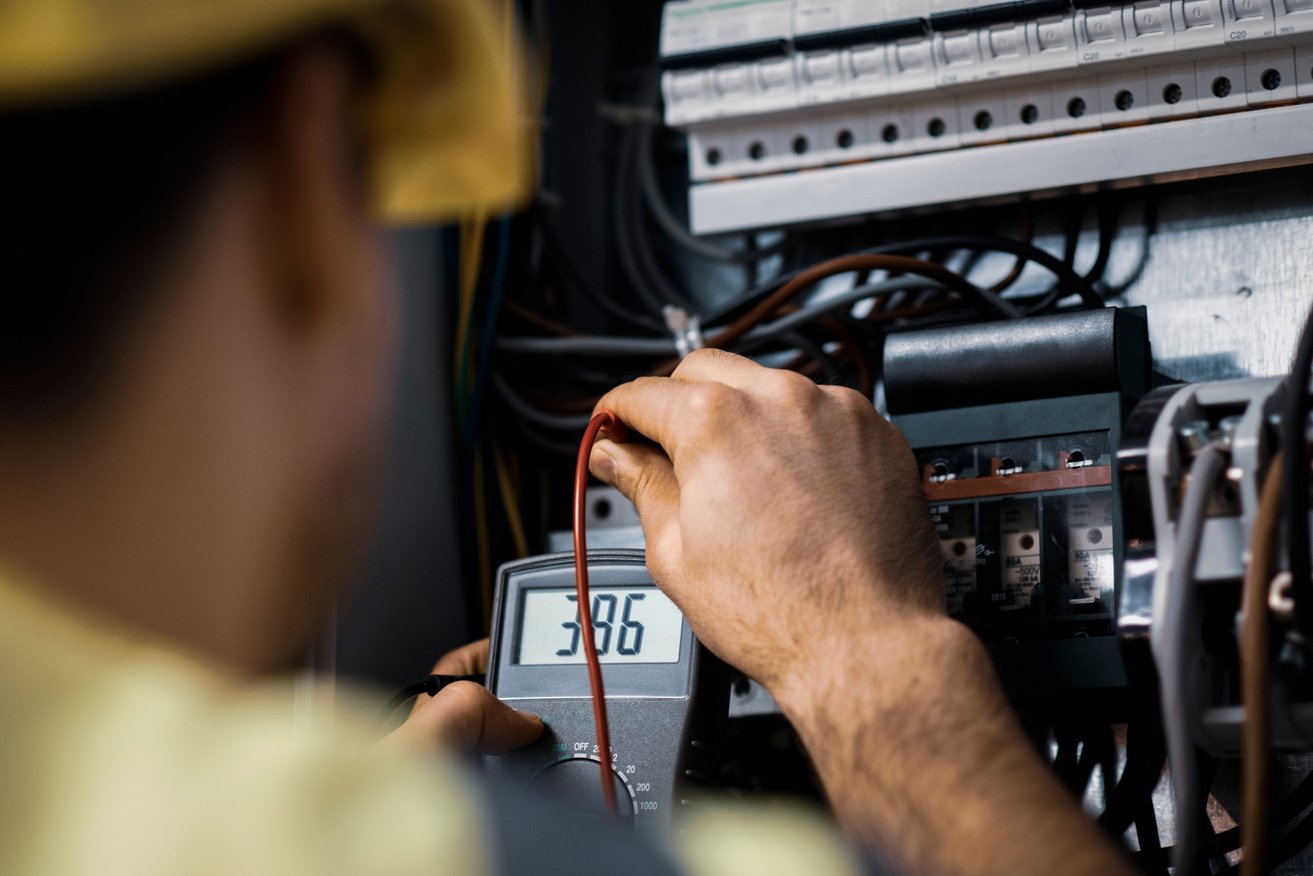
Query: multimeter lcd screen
point(630, 625)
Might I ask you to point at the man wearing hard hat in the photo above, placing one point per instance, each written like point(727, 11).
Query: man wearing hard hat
point(198, 326)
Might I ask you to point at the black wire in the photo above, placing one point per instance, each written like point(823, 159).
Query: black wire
point(626, 249)
point(1098, 751)
point(1296, 837)
point(556, 256)
point(1149, 219)
point(1107, 218)
point(1068, 280)
point(1145, 757)
point(666, 220)
point(814, 351)
point(1065, 761)
point(1294, 473)
point(641, 237)
point(1146, 832)
point(1066, 276)
point(1070, 241)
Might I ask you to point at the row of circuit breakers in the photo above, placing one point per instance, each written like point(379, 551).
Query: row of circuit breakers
point(764, 88)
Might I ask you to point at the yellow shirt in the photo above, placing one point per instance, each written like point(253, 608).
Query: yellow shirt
point(118, 757)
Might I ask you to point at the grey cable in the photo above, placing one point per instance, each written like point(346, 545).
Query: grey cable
point(591, 345)
point(1176, 644)
point(627, 252)
point(622, 346)
point(546, 419)
point(667, 221)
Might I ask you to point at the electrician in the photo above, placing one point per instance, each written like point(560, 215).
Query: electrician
point(197, 334)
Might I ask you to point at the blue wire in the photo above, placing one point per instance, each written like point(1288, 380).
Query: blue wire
point(483, 354)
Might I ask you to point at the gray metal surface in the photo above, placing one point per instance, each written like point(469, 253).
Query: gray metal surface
point(1229, 276)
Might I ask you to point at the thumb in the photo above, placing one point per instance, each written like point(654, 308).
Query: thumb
point(646, 477)
point(466, 717)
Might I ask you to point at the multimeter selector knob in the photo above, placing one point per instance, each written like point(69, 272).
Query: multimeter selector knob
point(576, 781)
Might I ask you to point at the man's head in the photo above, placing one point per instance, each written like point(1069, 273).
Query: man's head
point(198, 331)
point(196, 349)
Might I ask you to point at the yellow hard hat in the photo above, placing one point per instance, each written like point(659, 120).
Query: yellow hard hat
point(446, 121)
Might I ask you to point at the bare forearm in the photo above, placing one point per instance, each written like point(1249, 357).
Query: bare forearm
point(919, 751)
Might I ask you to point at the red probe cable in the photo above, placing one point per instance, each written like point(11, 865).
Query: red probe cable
point(616, 430)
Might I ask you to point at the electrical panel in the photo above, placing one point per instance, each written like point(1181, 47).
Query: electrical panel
point(1027, 532)
point(803, 110)
point(1015, 434)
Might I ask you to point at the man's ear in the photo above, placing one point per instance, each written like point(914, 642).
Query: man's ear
point(316, 227)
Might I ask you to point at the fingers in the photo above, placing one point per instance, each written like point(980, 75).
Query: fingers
point(708, 390)
point(466, 717)
point(471, 659)
point(720, 366)
point(649, 406)
point(646, 477)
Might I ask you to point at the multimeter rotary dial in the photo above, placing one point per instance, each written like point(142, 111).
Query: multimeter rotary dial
point(576, 779)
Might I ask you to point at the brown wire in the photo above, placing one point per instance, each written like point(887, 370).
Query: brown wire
point(917, 310)
point(768, 306)
point(1255, 691)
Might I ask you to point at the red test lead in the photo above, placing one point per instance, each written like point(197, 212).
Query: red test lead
point(602, 420)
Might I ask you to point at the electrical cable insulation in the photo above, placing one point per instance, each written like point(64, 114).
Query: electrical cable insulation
point(665, 218)
point(984, 243)
point(602, 420)
point(985, 301)
point(1018, 264)
point(1176, 649)
point(1255, 657)
point(1295, 473)
point(621, 346)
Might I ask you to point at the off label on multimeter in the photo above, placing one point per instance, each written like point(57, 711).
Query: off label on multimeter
point(666, 695)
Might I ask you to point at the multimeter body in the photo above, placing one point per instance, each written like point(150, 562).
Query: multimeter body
point(667, 696)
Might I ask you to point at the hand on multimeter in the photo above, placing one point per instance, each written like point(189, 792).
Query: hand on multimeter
point(464, 716)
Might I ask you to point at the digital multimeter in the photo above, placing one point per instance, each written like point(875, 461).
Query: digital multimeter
point(666, 695)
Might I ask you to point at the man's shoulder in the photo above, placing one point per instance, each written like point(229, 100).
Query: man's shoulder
point(135, 760)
